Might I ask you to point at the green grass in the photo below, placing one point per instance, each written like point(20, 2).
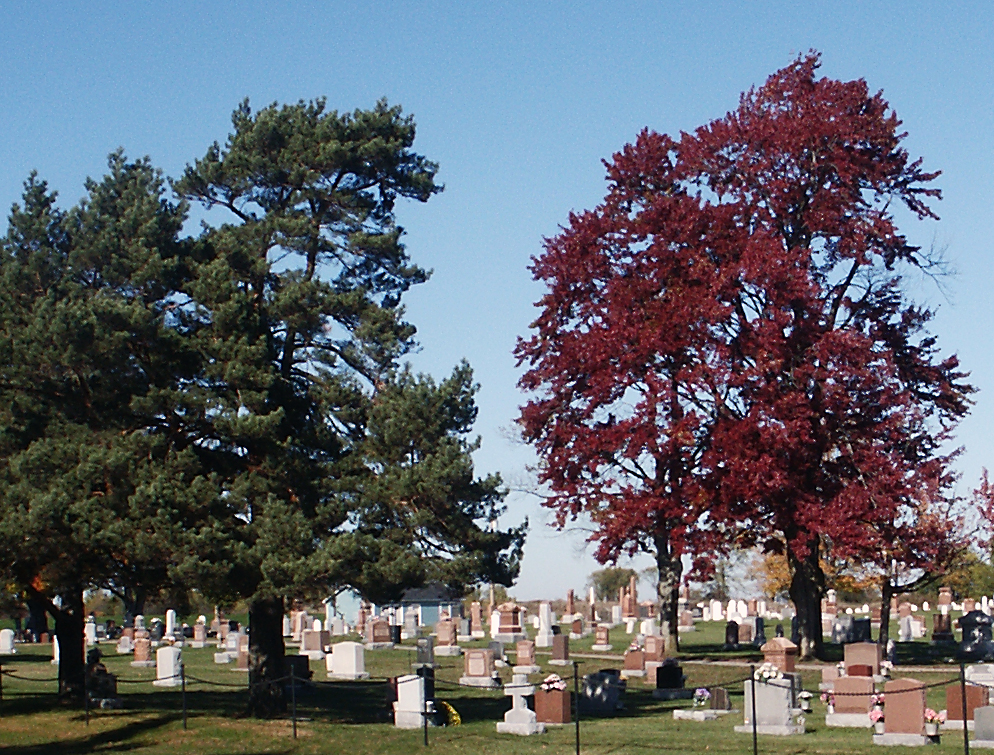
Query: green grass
point(353, 717)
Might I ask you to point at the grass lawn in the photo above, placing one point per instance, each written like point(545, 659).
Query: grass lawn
point(353, 717)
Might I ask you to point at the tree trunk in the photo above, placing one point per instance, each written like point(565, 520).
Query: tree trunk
point(37, 616)
point(886, 592)
point(670, 568)
point(133, 601)
point(69, 619)
point(267, 664)
point(807, 583)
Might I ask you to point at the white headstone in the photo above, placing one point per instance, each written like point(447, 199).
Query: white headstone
point(170, 623)
point(125, 644)
point(716, 613)
point(347, 660)
point(139, 621)
point(90, 632)
point(494, 624)
point(55, 651)
point(742, 608)
point(337, 626)
point(409, 709)
point(706, 613)
point(544, 637)
point(648, 627)
point(329, 615)
point(316, 625)
point(167, 666)
point(287, 630)
point(615, 615)
point(904, 629)
point(520, 719)
point(592, 596)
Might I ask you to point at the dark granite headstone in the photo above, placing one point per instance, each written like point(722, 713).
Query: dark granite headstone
point(795, 630)
point(669, 676)
point(760, 639)
point(428, 674)
point(426, 651)
point(977, 644)
point(778, 632)
point(498, 650)
point(731, 634)
point(602, 694)
point(861, 630)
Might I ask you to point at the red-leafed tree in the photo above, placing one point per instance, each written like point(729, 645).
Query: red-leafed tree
point(726, 349)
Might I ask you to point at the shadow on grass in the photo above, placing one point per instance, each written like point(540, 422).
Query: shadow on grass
point(119, 739)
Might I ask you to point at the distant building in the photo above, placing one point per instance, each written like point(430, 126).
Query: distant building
point(428, 602)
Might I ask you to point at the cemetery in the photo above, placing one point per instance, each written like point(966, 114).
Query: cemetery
point(356, 690)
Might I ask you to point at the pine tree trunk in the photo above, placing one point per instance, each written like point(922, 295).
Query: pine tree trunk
point(670, 569)
point(267, 654)
point(806, 585)
point(69, 619)
point(134, 602)
point(886, 592)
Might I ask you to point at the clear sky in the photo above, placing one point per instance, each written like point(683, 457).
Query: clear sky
point(519, 103)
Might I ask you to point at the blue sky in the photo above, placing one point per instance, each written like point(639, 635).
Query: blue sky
point(519, 103)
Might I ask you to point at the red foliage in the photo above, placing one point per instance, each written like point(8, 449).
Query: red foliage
point(725, 349)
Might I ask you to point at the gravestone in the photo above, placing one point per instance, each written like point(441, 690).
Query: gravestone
point(745, 633)
point(983, 727)
point(731, 635)
point(634, 664)
point(602, 694)
point(520, 719)
point(478, 669)
point(409, 710)
point(125, 645)
point(655, 648)
point(759, 639)
point(143, 650)
point(720, 699)
point(602, 639)
point(781, 652)
point(852, 702)
point(942, 628)
point(905, 633)
point(560, 650)
point(167, 667)
point(524, 658)
point(842, 629)
point(199, 635)
point(170, 623)
point(976, 644)
point(670, 682)
point(425, 653)
point(509, 628)
point(378, 634)
point(774, 704)
point(476, 620)
point(7, 642)
point(861, 630)
point(445, 632)
point(544, 637)
point(347, 660)
point(904, 722)
point(313, 643)
point(864, 653)
point(616, 616)
point(976, 697)
point(576, 629)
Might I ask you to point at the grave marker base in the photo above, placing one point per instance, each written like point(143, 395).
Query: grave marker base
point(774, 731)
point(378, 645)
point(905, 740)
point(601, 648)
point(448, 651)
point(954, 725)
point(527, 670)
point(477, 681)
point(848, 720)
point(347, 677)
point(142, 664)
point(696, 715)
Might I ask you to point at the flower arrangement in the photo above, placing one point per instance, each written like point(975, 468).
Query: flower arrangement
point(876, 715)
point(828, 698)
point(553, 682)
point(931, 717)
point(701, 696)
point(768, 672)
point(877, 699)
point(886, 667)
point(452, 717)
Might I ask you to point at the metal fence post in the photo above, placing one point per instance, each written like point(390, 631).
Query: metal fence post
point(962, 691)
point(424, 713)
point(182, 678)
point(576, 707)
point(86, 698)
point(293, 697)
point(752, 681)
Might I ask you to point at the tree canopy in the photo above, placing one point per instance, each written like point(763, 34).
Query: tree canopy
point(726, 351)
